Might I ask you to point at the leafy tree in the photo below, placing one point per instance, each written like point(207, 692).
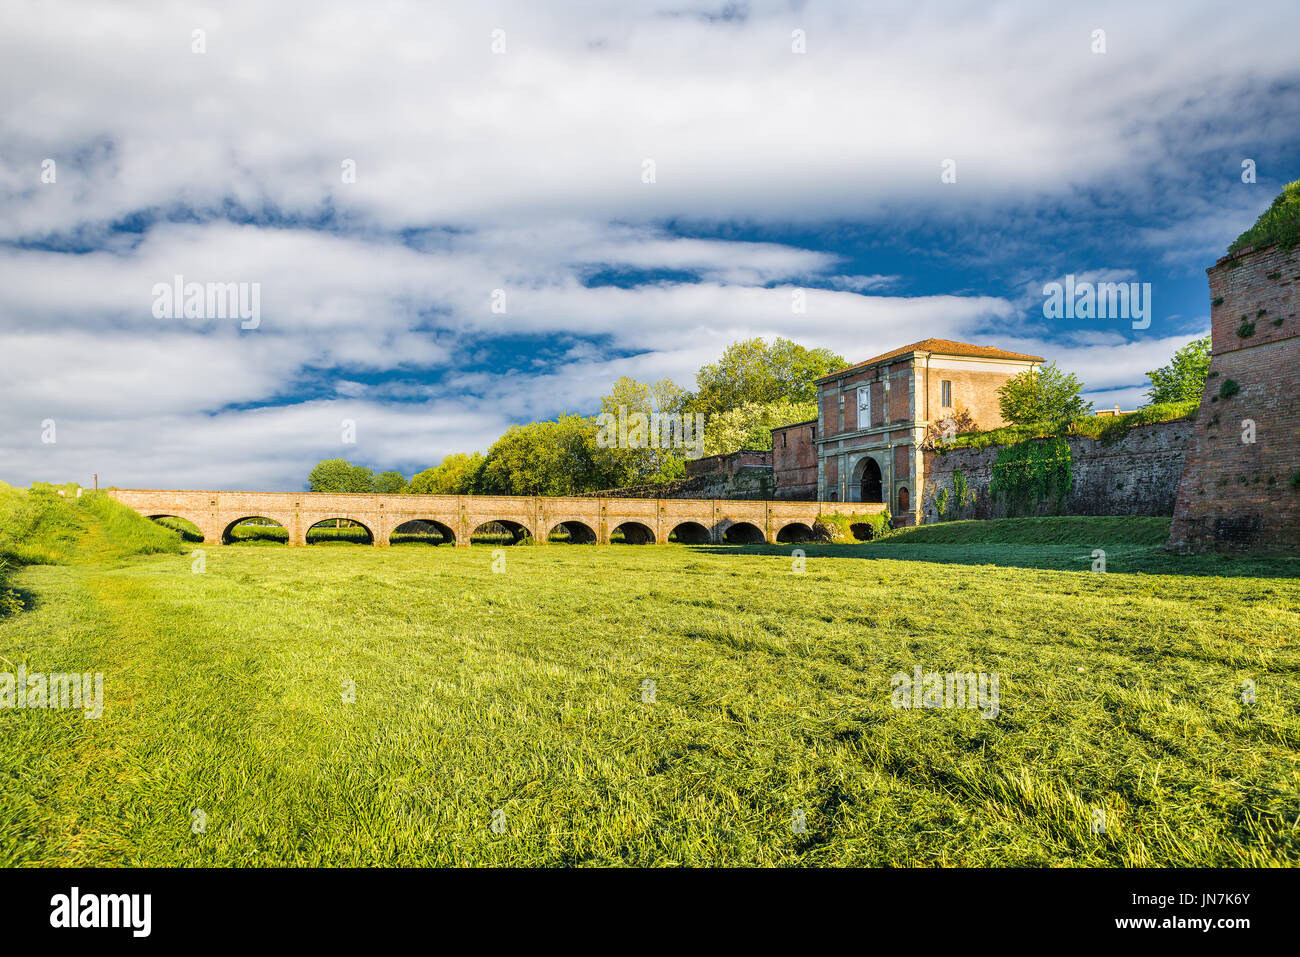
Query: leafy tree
point(751, 370)
point(646, 463)
point(390, 483)
point(1045, 397)
point(557, 457)
point(750, 425)
point(340, 475)
point(456, 474)
point(1184, 377)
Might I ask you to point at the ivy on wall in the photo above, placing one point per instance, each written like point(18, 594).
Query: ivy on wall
point(1031, 472)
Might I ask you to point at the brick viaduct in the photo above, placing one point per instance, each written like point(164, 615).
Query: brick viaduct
point(643, 521)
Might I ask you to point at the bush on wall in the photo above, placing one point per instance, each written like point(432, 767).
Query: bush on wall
point(834, 527)
point(1028, 473)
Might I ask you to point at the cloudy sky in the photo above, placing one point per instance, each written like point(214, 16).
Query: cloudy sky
point(501, 154)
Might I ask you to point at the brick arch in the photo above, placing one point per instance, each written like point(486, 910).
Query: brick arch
point(522, 521)
point(636, 531)
point(795, 531)
point(228, 522)
point(200, 522)
point(586, 522)
point(743, 531)
point(727, 522)
point(309, 522)
point(690, 531)
point(859, 470)
point(446, 525)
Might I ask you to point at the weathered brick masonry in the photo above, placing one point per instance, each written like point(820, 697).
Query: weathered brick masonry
point(794, 461)
point(1135, 475)
point(744, 475)
point(458, 516)
point(1235, 492)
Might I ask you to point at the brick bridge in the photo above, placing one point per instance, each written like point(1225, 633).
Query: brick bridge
point(456, 517)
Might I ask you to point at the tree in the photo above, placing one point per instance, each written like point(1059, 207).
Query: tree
point(647, 461)
point(390, 483)
point(557, 457)
point(751, 370)
point(340, 475)
point(1184, 377)
point(1045, 397)
point(749, 426)
point(456, 474)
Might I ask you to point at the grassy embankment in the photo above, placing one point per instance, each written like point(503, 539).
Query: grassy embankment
point(524, 691)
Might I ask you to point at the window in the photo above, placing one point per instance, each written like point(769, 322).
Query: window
point(946, 386)
point(864, 407)
point(904, 500)
point(782, 440)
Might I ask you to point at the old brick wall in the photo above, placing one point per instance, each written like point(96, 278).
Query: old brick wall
point(794, 462)
point(975, 392)
point(1137, 475)
point(749, 482)
point(729, 463)
point(1236, 493)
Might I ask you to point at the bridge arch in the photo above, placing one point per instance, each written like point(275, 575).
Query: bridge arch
point(494, 531)
point(577, 531)
point(633, 532)
point(424, 531)
point(256, 528)
point(795, 532)
point(690, 533)
point(193, 534)
point(743, 533)
point(319, 533)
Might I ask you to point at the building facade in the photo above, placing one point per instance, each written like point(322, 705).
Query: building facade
point(873, 417)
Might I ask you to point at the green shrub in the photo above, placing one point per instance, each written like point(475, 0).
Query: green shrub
point(961, 489)
point(1280, 223)
point(941, 502)
point(834, 527)
point(1031, 472)
point(1229, 389)
point(10, 602)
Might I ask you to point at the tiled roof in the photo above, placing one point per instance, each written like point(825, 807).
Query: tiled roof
point(945, 347)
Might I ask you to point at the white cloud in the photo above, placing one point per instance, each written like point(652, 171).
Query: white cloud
point(522, 172)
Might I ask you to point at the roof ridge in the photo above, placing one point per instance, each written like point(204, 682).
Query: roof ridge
point(942, 346)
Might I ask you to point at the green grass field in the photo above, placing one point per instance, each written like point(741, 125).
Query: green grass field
point(523, 692)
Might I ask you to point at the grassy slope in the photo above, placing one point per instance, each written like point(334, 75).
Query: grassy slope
point(522, 691)
point(1062, 530)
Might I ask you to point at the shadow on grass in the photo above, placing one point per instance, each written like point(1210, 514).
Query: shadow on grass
point(1120, 559)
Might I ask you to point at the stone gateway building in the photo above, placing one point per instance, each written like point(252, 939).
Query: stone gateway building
point(872, 420)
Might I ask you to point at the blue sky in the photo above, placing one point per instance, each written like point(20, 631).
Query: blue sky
point(502, 146)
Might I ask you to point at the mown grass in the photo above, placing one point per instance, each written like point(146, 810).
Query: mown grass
point(525, 691)
point(1058, 530)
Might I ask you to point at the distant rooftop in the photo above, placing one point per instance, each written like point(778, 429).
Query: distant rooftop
point(944, 347)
